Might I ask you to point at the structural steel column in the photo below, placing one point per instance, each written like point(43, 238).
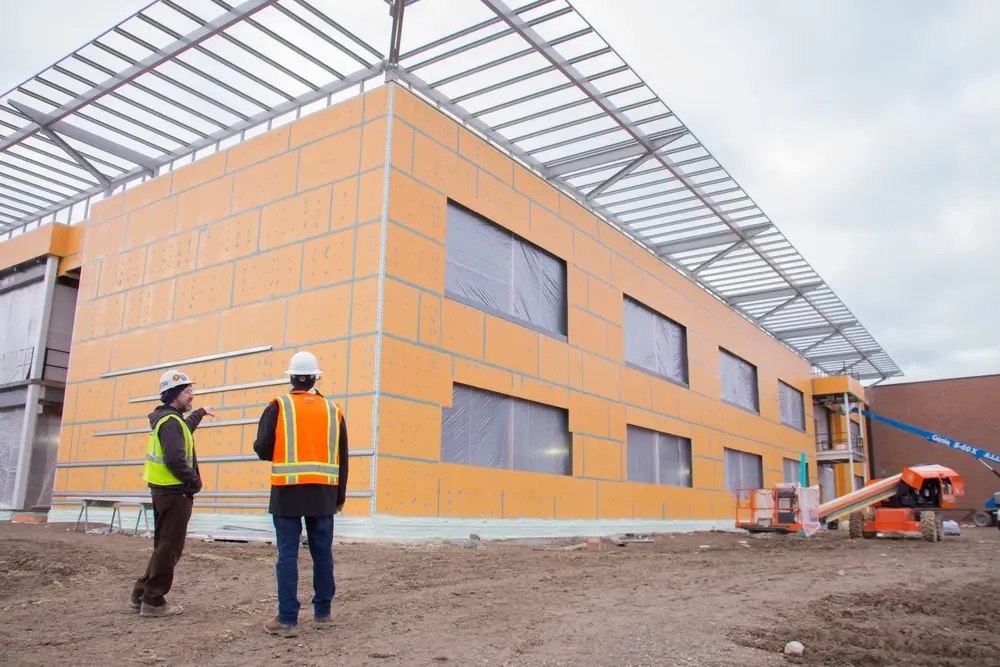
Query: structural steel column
point(850, 445)
point(34, 387)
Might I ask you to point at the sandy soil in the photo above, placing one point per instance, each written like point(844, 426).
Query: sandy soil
point(706, 600)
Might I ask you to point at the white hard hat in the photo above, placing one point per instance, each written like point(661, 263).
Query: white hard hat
point(304, 363)
point(173, 378)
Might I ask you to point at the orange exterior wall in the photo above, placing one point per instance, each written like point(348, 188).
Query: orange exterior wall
point(277, 241)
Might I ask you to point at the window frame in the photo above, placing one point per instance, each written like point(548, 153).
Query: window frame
point(685, 444)
point(686, 381)
point(562, 315)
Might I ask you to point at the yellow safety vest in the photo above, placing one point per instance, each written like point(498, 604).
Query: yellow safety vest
point(155, 471)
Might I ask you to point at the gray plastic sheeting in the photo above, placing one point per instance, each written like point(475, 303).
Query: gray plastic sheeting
point(743, 470)
point(654, 342)
point(11, 422)
point(739, 382)
point(490, 266)
point(658, 458)
point(483, 428)
point(792, 406)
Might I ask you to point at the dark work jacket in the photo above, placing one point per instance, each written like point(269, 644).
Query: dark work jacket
point(300, 500)
point(172, 441)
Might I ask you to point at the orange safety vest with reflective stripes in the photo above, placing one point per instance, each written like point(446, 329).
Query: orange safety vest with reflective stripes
point(306, 441)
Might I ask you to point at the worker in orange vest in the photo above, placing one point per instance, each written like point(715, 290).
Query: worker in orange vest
point(304, 436)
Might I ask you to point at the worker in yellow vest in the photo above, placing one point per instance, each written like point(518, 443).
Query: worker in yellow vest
point(304, 436)
point(171, 471)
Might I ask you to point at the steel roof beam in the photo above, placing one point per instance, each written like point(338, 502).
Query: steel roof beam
point(170, 52)
point(630, 149)
point(710, 240)
point(840, 356)
point(820, 330)
point(778, 293)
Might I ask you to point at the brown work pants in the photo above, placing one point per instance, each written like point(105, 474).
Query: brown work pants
point(171, 514)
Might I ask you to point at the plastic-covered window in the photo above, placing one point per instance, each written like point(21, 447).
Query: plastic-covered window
point(492, 269)
point(742, 470)
point(739, 382)
point(483, 428)
point(658, 458)
point(790, 469)
point(792, 406)
point(654, 342)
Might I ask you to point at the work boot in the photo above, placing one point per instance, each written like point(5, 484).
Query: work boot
point(274, 627)
point(135, 603)
point(323, 622)
point(166, 609)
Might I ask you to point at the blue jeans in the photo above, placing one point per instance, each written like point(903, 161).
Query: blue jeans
point(288, 531)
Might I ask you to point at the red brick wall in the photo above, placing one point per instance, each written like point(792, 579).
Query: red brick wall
point(962, 408)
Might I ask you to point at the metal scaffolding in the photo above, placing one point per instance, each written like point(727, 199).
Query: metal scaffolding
point(182, 79)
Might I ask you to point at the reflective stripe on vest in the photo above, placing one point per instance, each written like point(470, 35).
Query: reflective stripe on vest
point(155, 470)
point(307, 449)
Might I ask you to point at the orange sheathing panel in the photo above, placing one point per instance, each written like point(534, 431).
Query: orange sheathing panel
point(122, 272)
point(193, 337)
point(370, 189)
point(531, 389)
point(67, 264)
point(228, 239)
point(702, 350)
point(344, 204)
point(591, 256)
point(576, 287)
point(254, 325)
point(467, 491)
point(69, 404)
point(377, 102)
point(360, 474)
point(333, 360)
point(414, 258)
point(329, 121)
point(373, 136)
point(90, 447)
point(600, 376)
point(577, 455)
point(366, 252)
point(36, 243)
point(400, 309)
point(151, 223)
point(578, 216)
point(485, 156)
point(67, 435)
point(463, 329)
point(501, 203)
point(268, 275)
point(616, 343)
point(254, 368)
point(604, 300)
point(266, 182)
point(443, 170)
point(550, 233)
point(296, 219)
point(357, 507)
point(364, 316)
point(127, 387)
point(90, 359)
point(429, 322)
point(198, 172)
point(588, 415)
point(617, 421)
point(170, 257)
point(203, 291)
point(635, 387)
point(402, 147)
point(701, 444)
point(481, 376)
point(536, 189)
point(588, 331)
point(602, 458)
point(100, 317)
point(409, 429)
point(319, 315)
point(257, 149)
point(136, 348)
point(416, 206)
point(107, 208)
point(222, 440)
point(361, 375)
point(575, 368)
point(553, 360)
point(151, 304)
point(328, 160)
point(704, 381)
point(358, 414)
point(67, 239)
point(85, 480)
point(204, 204)
point(626, 276)
point(148, 192)
point(245, 476)
point(511, 346)
point(414, 372)
point(136, 444)
point(124, 478)
point(406, 488)
point(328, 259)
point(424, 118)
point(209, 477)
point(667, 397)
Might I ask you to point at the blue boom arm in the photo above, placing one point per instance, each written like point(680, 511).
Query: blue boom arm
point(980, 454)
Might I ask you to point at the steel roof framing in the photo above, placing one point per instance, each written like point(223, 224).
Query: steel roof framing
point(181, 79)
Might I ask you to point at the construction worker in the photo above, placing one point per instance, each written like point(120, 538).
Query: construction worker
point(171, 471)
point(304, 435)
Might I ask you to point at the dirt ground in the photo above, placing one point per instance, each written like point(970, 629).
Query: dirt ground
point(706, 599)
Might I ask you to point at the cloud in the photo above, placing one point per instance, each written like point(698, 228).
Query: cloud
point(868, 132)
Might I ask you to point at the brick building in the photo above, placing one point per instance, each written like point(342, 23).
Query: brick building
point(960, 408)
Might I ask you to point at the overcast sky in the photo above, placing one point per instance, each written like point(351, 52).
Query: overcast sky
point(868, 131)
